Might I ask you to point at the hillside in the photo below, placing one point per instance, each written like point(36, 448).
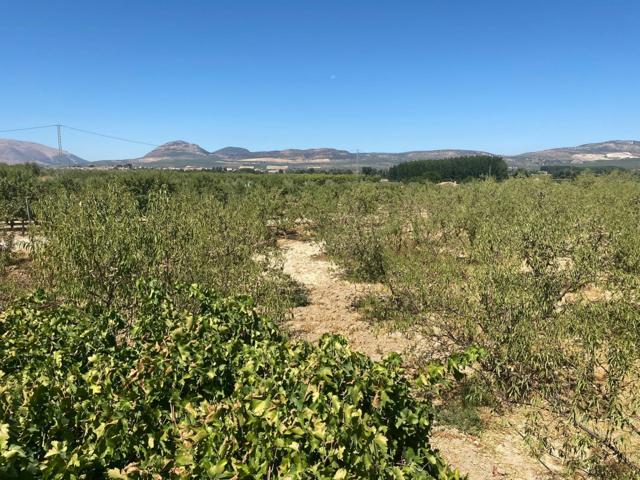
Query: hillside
point(175, 149)
point(180, 154)
point(14, 152)
point(615, 151)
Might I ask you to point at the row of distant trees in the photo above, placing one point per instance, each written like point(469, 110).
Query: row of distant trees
point(450, 169)
point(20, 185)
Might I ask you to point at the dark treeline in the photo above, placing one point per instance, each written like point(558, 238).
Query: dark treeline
point(450, 169)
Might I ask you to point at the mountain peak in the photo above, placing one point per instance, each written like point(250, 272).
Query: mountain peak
point(176, 148)
point(232, 152)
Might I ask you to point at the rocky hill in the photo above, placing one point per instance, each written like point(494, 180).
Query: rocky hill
point(14, 152)
point(174, 149)
point(615, 151)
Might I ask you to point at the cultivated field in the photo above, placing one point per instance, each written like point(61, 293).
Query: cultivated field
point(182, 325)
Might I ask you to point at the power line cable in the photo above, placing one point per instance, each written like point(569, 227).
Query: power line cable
point(110, 136)
point(89, 132)
point(26, 128)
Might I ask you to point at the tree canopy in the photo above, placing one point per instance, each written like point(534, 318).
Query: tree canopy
point(450, 169)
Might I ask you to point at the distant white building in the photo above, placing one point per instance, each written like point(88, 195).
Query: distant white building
point(276, 168)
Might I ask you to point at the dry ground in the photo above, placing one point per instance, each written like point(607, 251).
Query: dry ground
point(497, 453)
point(331, 299)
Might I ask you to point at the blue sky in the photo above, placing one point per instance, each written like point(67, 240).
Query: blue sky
point(506, 76)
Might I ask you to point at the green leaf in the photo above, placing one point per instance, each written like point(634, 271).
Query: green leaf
point(340, 474)
point(218, 469)
point(117, 474)
point(258, 408)
point(381, 441)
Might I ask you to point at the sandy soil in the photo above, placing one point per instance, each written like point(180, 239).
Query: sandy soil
point(20, 243)
point(331, 299)
point(497, 453)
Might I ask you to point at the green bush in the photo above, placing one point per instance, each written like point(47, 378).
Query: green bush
point(6, 248)
point(544, 276)
point(19, 186)
point(211, 391)
point(356, 228)
point(92, 245)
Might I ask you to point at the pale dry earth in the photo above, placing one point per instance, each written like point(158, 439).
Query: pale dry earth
point(331, 299)
point(497, 453)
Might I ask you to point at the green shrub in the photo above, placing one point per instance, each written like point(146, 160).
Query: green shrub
point(92, 245)
point(356, 228)
point(544, 276)
point(19, 186)
point(212, 391)
point(6, 247)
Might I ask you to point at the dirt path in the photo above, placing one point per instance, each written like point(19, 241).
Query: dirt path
point(330, 308)
point(497, 453)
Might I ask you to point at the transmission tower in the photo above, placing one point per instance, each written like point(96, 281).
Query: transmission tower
point(59, 128)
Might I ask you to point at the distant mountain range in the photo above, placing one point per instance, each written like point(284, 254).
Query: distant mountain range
point(180, 154)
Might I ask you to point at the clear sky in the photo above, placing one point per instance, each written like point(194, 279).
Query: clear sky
point(506, 76)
